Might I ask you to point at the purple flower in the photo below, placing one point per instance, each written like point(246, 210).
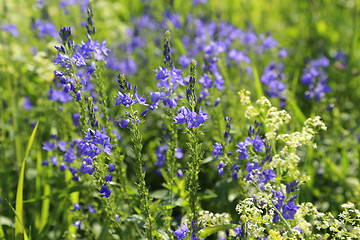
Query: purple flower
point(62, 145)
point(249, 38)
point(180, 173)
point(124, 99)
point(59, 96)
point(234, 175)
point(268, 175)
point(219, 82)
point(27, 105)
point(182, 232)
point(258, 144)
point(206, 81)
point(183, 115)
point(53, 160)
point(184, 61)
point(91, 209)
point(242, 150)
point(108, 178)
point(269, 42)
point(105, 191)
point(63, 167)
point(11, 28)
point(314, 75)
point(111, 167)
point(282, 53)
point(78, 96)
point(141, 100)
point(178, 153)
point(273, 79)
point(124, 123)
point(77, 207)
point(87, 167)
point(279, 198)
point(65, 33)
point(48, 146)
point(254, 171)
point(238, 56)
point(293, 186)
point(77, 224)
point(164, 76)
point(217, 150)
point(290, 209)
point(46, 28)
point(220, 168)
point(69, 157)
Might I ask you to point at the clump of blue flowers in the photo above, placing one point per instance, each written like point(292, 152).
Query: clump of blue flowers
point(315, 77)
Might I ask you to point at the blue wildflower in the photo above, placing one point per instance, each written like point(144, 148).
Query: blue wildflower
point(63, 167)
point(77, 207)
point(206, 81)
point(91, 209)
point(180, 173)
point(124, 123)
point(293, 186)
point(242, 149)
point(111, 167)
point(11, 28)
point(105, 191)
point(87, 166)
point(182, 232)
point(48, 146)
point(290, 209)
point(314, 75)
point(217, 150)
point(258, 144)
point(220, 168)
point(53, 160)
point(108, 177)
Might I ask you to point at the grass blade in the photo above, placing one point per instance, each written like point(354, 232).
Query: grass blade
point(17, 217)
point(19, 228)
point(297, 111)
point(258, 86)
point(2, 234)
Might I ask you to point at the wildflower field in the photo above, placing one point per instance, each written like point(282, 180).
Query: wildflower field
point(170, 119)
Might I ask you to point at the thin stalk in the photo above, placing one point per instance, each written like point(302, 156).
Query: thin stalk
point(136, 139)
point(277, 211)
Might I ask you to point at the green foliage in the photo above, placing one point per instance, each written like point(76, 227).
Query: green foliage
point(152, 202)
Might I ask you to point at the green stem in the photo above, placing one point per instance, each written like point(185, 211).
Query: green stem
point(136, 139)
point(277, 211)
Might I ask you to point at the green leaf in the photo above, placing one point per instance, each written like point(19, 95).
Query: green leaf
point(204, 233)
point(104, 230)
point(19, 228)
point(208, 194)
point(135, 218)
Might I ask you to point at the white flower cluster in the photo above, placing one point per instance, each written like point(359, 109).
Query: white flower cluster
point(273, 118)
point(212, 219)
point(244, 97)
point(306, 136)
point(255, 218)
point(346, 226)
